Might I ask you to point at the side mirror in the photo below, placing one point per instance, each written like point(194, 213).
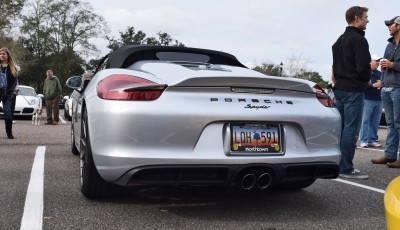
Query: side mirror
point(66, 97)
point(74, 82)
point(40, 95)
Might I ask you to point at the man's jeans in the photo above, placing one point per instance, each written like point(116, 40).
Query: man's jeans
point(370, 123)
point(350, 106)
point(52, 108)
point(391, 104)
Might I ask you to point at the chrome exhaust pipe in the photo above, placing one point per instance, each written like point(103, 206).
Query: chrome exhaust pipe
point(248, 181)
point(264, 180)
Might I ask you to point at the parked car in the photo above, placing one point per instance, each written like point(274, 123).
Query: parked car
point(68, 109)
point(61, 102)
point(26, 102)
point(159, 115)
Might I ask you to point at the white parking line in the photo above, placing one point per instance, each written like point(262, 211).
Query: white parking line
point(33, 210)
point(372, 149)
point(62, 120)
point(360, 185)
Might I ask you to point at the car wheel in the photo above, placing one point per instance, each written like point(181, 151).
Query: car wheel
point(295, 185)
point(92, 185)
point(73, 147)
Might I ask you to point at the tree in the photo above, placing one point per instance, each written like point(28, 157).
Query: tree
point(16, 48)
point(296, 64)
point(9, 11)
point(130, 37)
point(314, 77)
point(268, 69)
point(56, 33)
point(72, 24)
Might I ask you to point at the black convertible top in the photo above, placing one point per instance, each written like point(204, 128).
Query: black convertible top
point(127, 55)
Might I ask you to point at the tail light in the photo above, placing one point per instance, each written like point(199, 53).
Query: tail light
point(129, 88)
point(323, 97)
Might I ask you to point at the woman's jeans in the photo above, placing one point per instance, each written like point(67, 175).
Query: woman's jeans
point(350, 106)
point(370, 123)
point(391, 104)
point(7, 109)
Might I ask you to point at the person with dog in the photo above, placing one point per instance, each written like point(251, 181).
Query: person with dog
point(9, 71)
point(52, 91)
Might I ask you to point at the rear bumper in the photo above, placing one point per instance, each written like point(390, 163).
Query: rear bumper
point(225, 175)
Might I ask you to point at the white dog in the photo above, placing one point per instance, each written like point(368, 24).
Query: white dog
point(37, 113)
point(37, 116)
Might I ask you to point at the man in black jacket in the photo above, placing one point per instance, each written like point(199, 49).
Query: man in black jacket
point(351, 74)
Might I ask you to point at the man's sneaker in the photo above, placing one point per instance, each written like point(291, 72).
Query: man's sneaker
point(374, 144)
point(364, 145)
point(355, 174)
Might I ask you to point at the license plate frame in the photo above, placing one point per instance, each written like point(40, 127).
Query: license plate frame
point(256, 139)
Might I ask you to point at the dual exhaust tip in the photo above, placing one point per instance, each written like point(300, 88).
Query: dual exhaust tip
point(251, 180)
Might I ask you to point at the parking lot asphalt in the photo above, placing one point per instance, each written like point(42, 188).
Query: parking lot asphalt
point(327, 204)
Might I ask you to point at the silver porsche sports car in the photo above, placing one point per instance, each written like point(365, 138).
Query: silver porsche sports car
point(159, 115)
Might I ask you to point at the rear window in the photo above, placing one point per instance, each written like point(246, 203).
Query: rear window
point(182, 57)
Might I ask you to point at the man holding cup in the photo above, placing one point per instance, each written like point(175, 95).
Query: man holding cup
point(383, 63)
point(390, 93)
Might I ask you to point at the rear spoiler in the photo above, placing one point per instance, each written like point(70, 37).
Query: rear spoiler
point(128, 55)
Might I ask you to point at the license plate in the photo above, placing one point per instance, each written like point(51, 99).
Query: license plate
point(255, 139)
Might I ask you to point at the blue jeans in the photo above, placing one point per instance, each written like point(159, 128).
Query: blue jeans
point(350, 106)
point(370, 123)
point(391, 103)
point(7, 109)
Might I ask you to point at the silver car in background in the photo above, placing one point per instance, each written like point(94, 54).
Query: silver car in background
point(159, 115)
point(68, 107)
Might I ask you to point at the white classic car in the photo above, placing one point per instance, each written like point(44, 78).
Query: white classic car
point(26, 103)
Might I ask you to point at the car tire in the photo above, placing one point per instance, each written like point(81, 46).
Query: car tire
point(92, 185)
point(74, 149)
point(295, 185)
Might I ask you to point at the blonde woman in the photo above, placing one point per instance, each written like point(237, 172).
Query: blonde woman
point(8, 69)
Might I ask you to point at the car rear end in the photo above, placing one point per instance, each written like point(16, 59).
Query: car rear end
point(166, 123)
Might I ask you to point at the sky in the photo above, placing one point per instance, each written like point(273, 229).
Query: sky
point(255, 31)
